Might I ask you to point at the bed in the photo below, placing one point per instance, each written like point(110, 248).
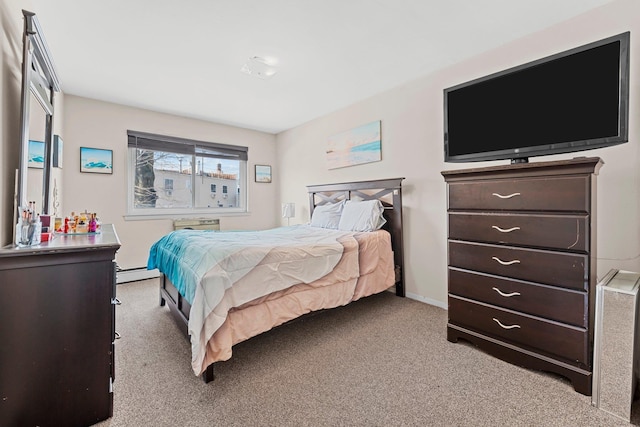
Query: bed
point(263, 279)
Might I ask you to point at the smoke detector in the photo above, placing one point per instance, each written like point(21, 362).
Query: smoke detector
point(259, 67)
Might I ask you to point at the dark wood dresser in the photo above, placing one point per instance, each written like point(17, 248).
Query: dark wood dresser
point(57, 331)
point(522, 263)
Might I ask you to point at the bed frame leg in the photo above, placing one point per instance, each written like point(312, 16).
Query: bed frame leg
point(207, 375)
point(162, 300)
point(399, 282)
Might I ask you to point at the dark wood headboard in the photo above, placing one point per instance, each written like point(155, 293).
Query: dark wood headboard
point(389, 192)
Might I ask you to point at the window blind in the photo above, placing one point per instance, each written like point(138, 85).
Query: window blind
point(172, 144)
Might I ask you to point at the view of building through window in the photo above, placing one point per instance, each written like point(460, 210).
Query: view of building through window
point(165, 180)
point(170, 175)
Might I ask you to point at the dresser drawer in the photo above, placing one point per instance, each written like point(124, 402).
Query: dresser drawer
point(567, 232)
point(567, 342)
point(562, 305)
point(551, 268)
point(570, 194)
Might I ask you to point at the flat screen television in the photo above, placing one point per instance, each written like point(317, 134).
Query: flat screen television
point(571, 101)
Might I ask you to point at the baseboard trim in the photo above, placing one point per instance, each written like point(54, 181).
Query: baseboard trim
point(135, 274)
point(427, 300)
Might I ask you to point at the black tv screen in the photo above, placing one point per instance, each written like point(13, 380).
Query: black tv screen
point(572, 101)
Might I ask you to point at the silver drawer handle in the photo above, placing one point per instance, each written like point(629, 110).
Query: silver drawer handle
point(512, 294)
point(506, 197)
point(505, 326)
point(115, 301)
point(515, 261)
point(505, 230)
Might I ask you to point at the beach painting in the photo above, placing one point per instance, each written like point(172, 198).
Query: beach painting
point(36, 154)
point(355, 146)
point(263, 173)
point(96, 160)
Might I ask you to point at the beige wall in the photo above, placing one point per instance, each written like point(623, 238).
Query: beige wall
point(412, 147)
point(91, 123)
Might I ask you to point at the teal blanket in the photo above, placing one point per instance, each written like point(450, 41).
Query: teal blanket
point(184, 256)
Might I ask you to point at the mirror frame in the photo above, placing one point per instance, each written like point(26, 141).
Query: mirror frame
point(40, 79)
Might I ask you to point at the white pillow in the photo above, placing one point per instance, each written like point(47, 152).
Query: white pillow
point(362, 216)
point(327, 216)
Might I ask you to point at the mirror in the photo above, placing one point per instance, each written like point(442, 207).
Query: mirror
point(39, 84)
point(36, 164)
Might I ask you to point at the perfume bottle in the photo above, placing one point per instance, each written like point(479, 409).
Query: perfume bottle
point(19, 232)
point(92, 223)
point(36, 231)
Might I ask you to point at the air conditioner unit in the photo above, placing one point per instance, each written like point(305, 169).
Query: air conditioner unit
point(196, 224)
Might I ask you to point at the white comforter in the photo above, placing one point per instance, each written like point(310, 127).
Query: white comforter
point(215, 261)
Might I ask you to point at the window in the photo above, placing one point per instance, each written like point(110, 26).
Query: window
point(168, 186)
point(169, 175)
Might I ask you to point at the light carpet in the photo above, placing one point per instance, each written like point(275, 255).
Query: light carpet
point(381, 361)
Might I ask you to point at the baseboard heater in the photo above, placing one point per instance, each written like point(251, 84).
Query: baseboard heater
point(135, 274)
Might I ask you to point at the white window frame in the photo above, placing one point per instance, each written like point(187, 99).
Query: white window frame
point(163, 143)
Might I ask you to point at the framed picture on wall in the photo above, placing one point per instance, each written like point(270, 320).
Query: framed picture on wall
point(36, 154)
point(96, 160)
point(263, 173)
point(355, 146)
point(57, 151)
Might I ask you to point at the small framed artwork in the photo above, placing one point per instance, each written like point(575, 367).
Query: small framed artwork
point(36, 154)
point(57, 151)
point(263, 173)
point(96, 160)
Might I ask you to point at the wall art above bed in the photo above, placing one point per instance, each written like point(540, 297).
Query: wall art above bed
point(355, 146)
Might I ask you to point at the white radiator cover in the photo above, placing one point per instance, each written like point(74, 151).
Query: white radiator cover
point(616, 358)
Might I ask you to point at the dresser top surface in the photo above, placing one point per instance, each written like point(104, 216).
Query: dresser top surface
point(578, 165)
point(107, 238)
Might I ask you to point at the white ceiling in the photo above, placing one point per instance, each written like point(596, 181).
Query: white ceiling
point(184, 57)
